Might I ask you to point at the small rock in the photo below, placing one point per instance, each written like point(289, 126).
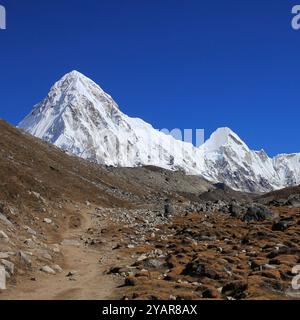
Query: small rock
point(153, 263)
point(3, 237)
point(43, 254)
point(235, 289)
point(168, 208)
point(130, 281)
point(55, 248)
point(283, 250)
point(280, 226)
point(71, 273)
point(57, 268)
point(142, 257)
point(9, 266)
point(2, 278)
point(48, 270)
point(5, 220)
point(199, 268)
point(236, 210)
point(47, 220)
point(268, 266)
point(24, 259)
point(258, 212)
point(30, 231)
point(29, 243)
point(294, 201)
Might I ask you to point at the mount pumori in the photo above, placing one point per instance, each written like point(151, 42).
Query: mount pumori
point(79, 117)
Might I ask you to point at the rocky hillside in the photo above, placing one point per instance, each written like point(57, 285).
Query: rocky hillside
point(70, 229)
point(287, 196)
point(45, 192)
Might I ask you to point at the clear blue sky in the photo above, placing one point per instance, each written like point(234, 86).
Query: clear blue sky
point(176, 64)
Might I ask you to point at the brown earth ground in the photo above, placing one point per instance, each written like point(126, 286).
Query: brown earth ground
point(251, 259)
point(88, 263)
point(103, 233)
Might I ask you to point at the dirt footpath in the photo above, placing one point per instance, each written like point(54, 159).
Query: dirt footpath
point(83, 276)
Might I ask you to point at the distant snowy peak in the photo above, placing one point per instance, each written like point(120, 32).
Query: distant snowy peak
point(288, 168)
point(223, 137)
point(79, 117)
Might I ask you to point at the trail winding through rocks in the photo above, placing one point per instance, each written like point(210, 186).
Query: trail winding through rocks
point(90, 264)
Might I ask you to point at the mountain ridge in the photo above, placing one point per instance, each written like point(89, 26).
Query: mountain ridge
point(79, 117)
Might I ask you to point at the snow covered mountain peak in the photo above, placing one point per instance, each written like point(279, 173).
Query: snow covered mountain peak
point(79, 117)
point(75, 84)
point(74, 77)
point(223, 137)
point(75, 74)
point(72, 81)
